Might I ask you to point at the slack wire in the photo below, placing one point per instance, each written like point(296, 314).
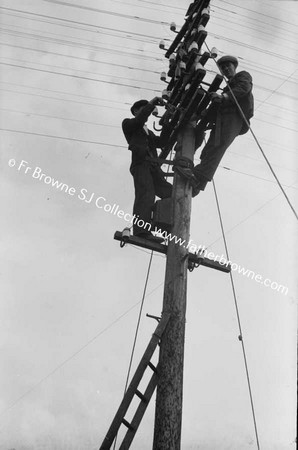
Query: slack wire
point(136, 333)
point(259, 145)
point(239, 322)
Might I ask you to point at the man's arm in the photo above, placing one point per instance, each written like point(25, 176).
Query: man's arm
point(241, 86)
point(130, 125)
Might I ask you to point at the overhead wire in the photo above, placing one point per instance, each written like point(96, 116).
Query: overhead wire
point(123, 146)
point(103, 11)
point(80, 77)
point(78, 40)
point(249, 174)
point(105, 144)
point(80, 58)
point(132, 35)
point(78, 70)
point(221, 18)
point(255, 176)
point(135, 56)
point(61, 99)
point(63, 20)
point(272, 92)
point(166, 23)
point(240, 155)
point(241, 222)
point(77, 44)
point(92, 25)
point(115, 64)
point(62, 138)
point(278, 20)
point(73, 94)
point(158, 4)
point(28, 113)
point(145, 7)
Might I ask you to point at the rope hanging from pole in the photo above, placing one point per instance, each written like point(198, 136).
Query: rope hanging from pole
point(137, 330)
point(240, 337)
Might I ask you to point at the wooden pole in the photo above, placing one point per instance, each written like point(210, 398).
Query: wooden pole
point(168, 413)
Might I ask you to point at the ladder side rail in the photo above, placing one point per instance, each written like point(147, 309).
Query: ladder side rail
point(139, 413)
point(128, 396)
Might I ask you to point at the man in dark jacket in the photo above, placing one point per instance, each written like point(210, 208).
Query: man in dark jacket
point(228, 122)
point(148, 177)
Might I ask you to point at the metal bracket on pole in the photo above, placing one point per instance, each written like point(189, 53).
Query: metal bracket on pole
point(153, 317)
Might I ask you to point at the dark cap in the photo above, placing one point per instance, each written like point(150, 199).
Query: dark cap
point(227, 58)
point(138, 104)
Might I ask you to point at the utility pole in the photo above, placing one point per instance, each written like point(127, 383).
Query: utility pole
point(168, 416)
point(188, 67)
point(185, 119)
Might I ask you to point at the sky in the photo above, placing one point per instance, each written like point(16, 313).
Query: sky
point(70, 296)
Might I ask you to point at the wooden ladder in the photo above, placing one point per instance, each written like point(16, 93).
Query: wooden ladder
point(132, 390)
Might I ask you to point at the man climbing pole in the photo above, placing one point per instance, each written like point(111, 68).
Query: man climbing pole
point(227, 122)
point(149, 180)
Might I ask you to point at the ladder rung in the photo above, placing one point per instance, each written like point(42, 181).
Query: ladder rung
point(128, 425)
point(141, 396)
point(152, 367)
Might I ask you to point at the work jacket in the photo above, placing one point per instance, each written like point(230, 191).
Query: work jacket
point(141, 144)
point(241, 86)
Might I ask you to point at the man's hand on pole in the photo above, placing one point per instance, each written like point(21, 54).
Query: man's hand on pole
point(157, 101)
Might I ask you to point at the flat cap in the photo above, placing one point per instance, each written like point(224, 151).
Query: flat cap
point(227, 58)
point(138, 104)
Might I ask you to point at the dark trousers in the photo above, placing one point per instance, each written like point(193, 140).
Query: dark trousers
point(149, 182)
point(212, 153)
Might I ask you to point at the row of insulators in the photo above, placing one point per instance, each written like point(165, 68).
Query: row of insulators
point(178, 60)
point(181, 69)
point(193, 45)
point(182, 65)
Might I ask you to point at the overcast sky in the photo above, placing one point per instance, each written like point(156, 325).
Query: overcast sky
point(70, 296)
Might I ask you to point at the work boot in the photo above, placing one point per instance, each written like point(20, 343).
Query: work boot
point(196, 190)
point(199, 184)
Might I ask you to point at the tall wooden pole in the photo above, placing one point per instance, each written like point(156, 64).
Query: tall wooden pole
point(168, 414)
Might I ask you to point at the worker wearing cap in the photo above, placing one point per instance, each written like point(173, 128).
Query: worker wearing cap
point(149, 179)
point(228, 122)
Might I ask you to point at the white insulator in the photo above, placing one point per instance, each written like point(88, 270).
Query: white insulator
point(194, 15)
point(187, 86)
point(193, 46)
point(166, 94)
point(213, 52)
point(172, 58)
point(155, 111)
point(182, 65)
point(173, 26)
point(162, 45)
point(205, 11)
point(201, 28)
point(163, 76)
point(199, 66)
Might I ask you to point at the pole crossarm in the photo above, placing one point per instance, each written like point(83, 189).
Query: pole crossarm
point(163, 248)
